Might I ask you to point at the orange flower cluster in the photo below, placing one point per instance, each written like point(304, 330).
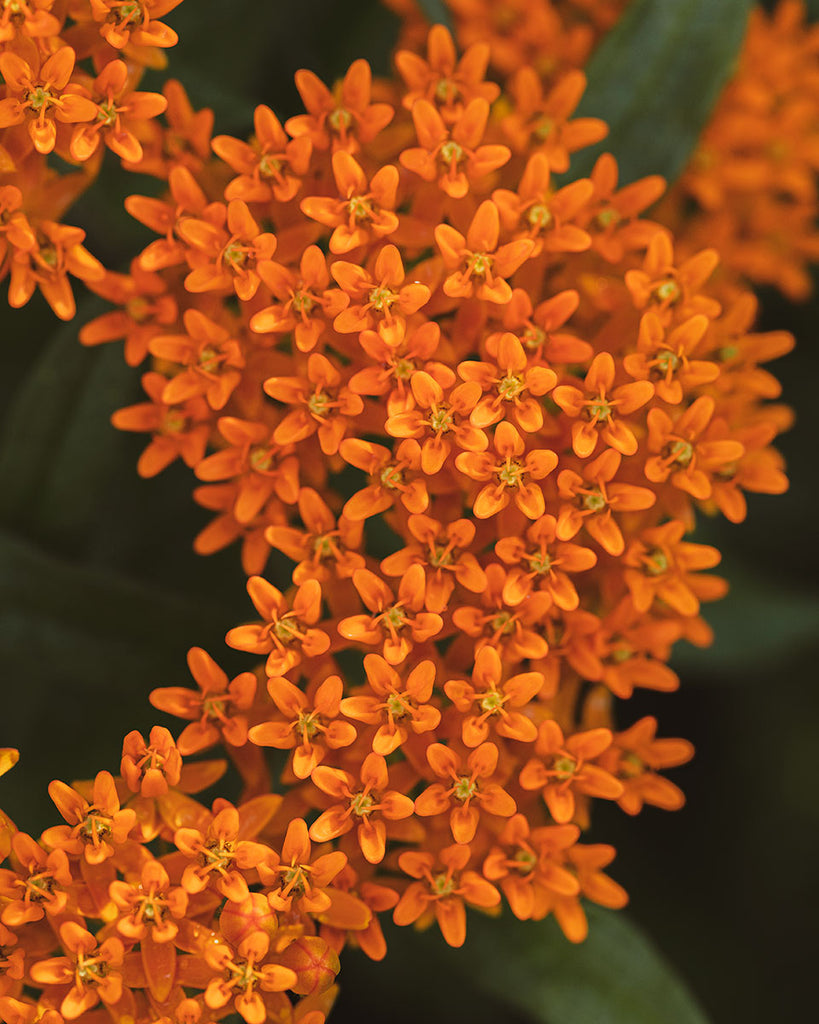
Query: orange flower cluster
point(479, 413)
point(752, 179)
point(70, 71)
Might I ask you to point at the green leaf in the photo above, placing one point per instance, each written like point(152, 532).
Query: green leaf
point(80, 650)
point(57, 447)
point(615, 977)
point(655, 79)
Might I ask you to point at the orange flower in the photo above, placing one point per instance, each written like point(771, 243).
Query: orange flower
point(510, 475)
point(585, 862)
point(636, 649)
point(537, 212)
point(344, 118)
point(162, 216)
point(516, 631)
point(259, 466)
point(118, 107)
point(242, 974)
point(495, 699)
point(665, 360)
point(323, 405)
point(296, 881)
point(213, 711)
point(437, 415)
point(394, 705)
point(550, 561)
point(507, 380)
point(377, 898)
point(453, 155)
point(442, 552)
point(327, 550)
point(210, 357)
point(363, 212)
point(270, 166)
point(381, 299)
point(224, 259)
point(28, 18)
point(94, 829)
point(562, 768)
point(39, 96)
point(179, 431)
point(399, 358)
point(636, 756)
point(537, 329)
point(444, 892)
point(306, 305)
point(147, 308)
point(15, 230)
point(219, 856)
point(125, 22)
point(369, 802)
point(442, 78)
point(308, 726)
point(148, 912)
point(613, 214)
point(591, 497)
point(597, 406)
point(661, 565)
point(392, 618)
point(12, 962)
point(389, 472)
point(57, 252)
point(684, 450)
point(149, 907)
point(466, 788)
point(541, 122)
point(39, 887)
point(150, 769)
point(527, 865)
point(660, 285)
point(93, 970)
point(284, 634)
point(477, 265)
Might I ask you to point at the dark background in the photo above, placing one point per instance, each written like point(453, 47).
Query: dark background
point(101, 595)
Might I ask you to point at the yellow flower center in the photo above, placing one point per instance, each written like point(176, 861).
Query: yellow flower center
point(362, 804)
point(565, 767)
point(540, 216)
point(594, 501)
point(511, 387)
point(464, 789)
point(491, 701)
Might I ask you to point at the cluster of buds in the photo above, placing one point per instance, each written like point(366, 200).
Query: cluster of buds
point(70, 72)
point(479, 413)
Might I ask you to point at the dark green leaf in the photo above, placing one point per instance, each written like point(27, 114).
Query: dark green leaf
point(615, 977)
point(655, 79)
point(57, 446)
point(80, 650)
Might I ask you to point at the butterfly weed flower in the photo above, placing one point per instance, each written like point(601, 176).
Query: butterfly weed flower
point(478, 410)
